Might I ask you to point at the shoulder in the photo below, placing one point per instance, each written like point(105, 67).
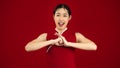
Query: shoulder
point(43, 35)
point(79, 34)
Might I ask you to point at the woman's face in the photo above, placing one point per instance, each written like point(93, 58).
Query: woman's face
point(61, 18)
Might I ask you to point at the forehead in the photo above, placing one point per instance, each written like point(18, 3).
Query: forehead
point(61, 11)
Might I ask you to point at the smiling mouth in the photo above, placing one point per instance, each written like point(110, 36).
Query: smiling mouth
point(61, 24)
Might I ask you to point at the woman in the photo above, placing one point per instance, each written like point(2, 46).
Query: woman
point(61, 42)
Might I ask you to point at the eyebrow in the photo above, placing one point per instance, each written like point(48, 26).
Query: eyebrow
point(65, 13)
point(57, 13)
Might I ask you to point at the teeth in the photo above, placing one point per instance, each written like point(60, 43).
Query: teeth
point(60, 23)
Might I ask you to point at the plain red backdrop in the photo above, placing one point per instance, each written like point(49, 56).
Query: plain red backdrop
point(23, 20)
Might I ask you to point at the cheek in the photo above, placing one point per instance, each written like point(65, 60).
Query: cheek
point(55, 19)
point(66, 20)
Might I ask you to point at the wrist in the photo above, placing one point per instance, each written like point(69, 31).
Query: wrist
point(68, 44)
point(52, 41)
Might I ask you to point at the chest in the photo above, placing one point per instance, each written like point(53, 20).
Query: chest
point(69, 36)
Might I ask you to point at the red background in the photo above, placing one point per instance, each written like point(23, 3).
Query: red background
point(23, 20)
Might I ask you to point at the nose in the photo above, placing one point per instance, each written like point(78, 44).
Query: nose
point(61, 18)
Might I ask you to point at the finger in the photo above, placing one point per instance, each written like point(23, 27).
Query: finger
point(61, 37)
point(57, 44)
point(61, 41)
point(58, 39)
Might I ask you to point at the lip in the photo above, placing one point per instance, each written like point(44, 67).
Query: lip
point(61, 24)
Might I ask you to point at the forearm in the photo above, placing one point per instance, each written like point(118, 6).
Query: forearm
point(84, 46)
point(32, 46)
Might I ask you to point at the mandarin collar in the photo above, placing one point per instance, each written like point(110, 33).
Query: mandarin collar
point(62, 31)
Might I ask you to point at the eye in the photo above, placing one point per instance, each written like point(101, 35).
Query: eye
point(57, 15)
point(65, 16)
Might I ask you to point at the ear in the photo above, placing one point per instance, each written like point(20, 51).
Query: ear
point(70, 17)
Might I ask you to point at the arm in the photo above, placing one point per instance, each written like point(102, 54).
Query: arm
point(81, 42)
point(39, 43)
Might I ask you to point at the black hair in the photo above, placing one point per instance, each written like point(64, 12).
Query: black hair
point(62, 6)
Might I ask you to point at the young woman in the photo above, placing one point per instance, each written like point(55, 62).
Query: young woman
point(62, 42)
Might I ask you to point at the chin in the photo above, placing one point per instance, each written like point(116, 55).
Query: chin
point(61, 28)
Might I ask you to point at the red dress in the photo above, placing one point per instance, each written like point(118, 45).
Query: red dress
point(61, 56)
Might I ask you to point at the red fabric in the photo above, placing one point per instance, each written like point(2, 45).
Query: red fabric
point(61, 56)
